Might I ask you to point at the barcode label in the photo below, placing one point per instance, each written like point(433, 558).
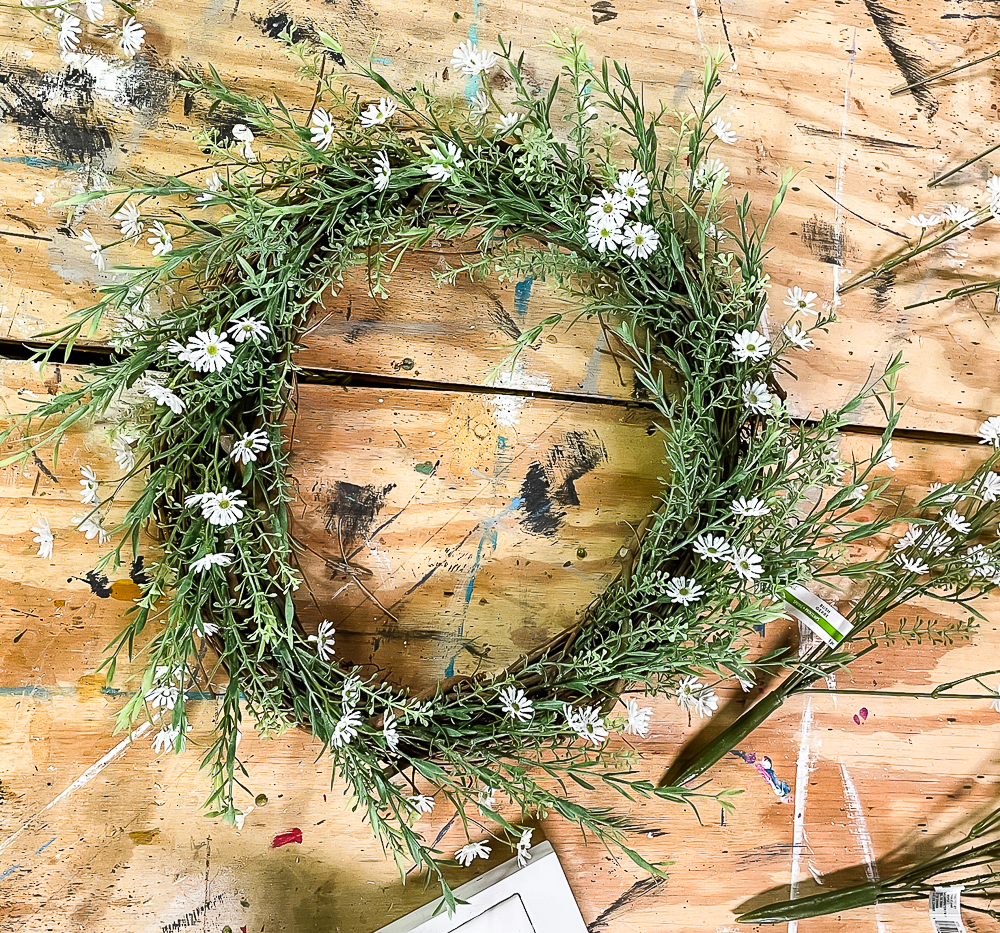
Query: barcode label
point(820, 617)
point(946, 910)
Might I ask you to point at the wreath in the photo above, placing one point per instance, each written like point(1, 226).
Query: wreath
point(629, 212)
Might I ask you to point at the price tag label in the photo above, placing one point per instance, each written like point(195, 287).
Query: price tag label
point(819, 616)
point(946, 911)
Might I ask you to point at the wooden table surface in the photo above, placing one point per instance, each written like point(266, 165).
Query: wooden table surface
point(485, 514)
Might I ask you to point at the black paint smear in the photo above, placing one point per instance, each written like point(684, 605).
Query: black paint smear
point(147, 91)
point(881, 287)
point(501, 319)
point(41, 466)
point(911, 66)
point(873, 142)
point(549, 485)
point(99, 584)
point(825, 241)
point(365, 325)
point(136, 572)
point(639, 889)
point(17, 638)
point(70, 127)
point(277, 23)
point(350, 510)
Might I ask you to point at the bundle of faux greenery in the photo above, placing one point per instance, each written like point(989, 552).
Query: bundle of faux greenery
point(630, 213)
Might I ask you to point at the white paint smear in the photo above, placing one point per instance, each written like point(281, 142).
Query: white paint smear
point(802, 771)
point(859, 827)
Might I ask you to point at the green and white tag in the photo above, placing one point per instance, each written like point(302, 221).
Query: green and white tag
point(946, 910)
point(817, 615)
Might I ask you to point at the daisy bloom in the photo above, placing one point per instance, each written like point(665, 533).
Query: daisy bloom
point(924, 222)
point(958, 214)
point(608, 207)
point(470, 60)
point(389, 731)
point(516, 704)
point(995, 705)
point(747, 563)
point(133, 35)
point(957, 521)
point(422, 803)
point(243, 134)
point(468, 854)
point(979, 561)
point(209, 352)
point(908, 539)
point(756, 397)
point(322, 128)
point(604, 237)
point(160, 240)
point(947, 498)
point(887, 457)
point(247, 328)
point(128, 216)
point(88, 495)
point(634, 188)
point(479, 104)
point(638, 718)
point(486, 799)
point(93, 527)
point(69, 34)
point(750, 345)
point(694, 696)
point(937, 542)
point(715, 232)
point(799, 300)
point(524, 848)
point(507, 122)
point(204, 628)
point(324, 640)
point(723, 130)
point(710, 173)
point(43, 538)
point(346, 729)
point(639, 241)
point(210, 560)
point(165, 738)
point(989, 487)
point(163, 696)
point(747, 508)
point(989, 431)
point(798, 336)
point(858, 493)
point(94, 248)
point(444, 161)
point(911, 564)
point(245, 450)
point(376, 114)
point(351, 691)
point(712, 547)
point(383, 171)
point(223, 508)
point(95, 10)
point(212, 187)
point(590, 725)
point(683, 590)
point(163, 396)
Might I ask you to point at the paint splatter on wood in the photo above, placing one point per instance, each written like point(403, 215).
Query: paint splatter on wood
point(283, 839)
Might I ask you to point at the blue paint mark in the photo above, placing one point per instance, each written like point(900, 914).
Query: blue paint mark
point(47, 844)
point(12, 868)
point(46, 693)
point(42, 162)
point(381, 60)
point(472, 84)
point(522, 292)
point(501, 442)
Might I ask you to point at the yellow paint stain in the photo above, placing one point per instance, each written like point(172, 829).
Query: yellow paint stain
point(126, 590)
point(90, 686)
point(58, 603)
point(143, 837)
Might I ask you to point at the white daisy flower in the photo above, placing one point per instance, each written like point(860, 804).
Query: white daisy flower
point(747, 563)
point(351, 691)
point(752, 507)
point(604, 237)
point(694, 696)
point(43, 538)
point(95, 10)
point(608, 207)
point(245, 450)
point(160, 240)
point(204, 628)
point(710, 173)
point(468, 854)
point(937, 542)
point(712, 547)
point(957, 521)
point(908, 539)
point(325, 640)
point(958, 214)
point(750, 345)
point(92, 526)
point(212, 187)
point(683, 590)
point(516, 704)
point(486, 799)
point(69, 34)
point(798, 336)
point(887, 457)
point(469, 59)
point(952, 498)
point(346, 729)
point(422, 803)
point(801, 301)
point(524, 848)
point(322, 128)
point(638, 718)
point(223, 508)
point(716, 233)
point(590, 725)
point(989, 431)
point(164, 696)
point(247, 328)
point(389, 731)
point(756, 397)
point(444, 161)
point(165, 738)
point(210, 560)
point(639, 241)
point(376, 114)
point(911, 564)
point(858, 493)
point(89, 495)
point(634, 188)
point(979, 561)
point(209, 352)
point(988, 487)
point(94, 248)
point(133, 35)
point(243, 134)
point(129, 217)
point(163, 396)
point(993, 188)
point(383, 171)
point(924, 222)
point(507, 122)
point(723, 130)
point(479, 105)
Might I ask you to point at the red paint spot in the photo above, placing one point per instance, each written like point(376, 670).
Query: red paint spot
point(282, 839)
point(243, 930)
point(861, 716)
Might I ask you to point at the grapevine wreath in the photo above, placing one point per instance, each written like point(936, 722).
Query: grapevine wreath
point(628, 211)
